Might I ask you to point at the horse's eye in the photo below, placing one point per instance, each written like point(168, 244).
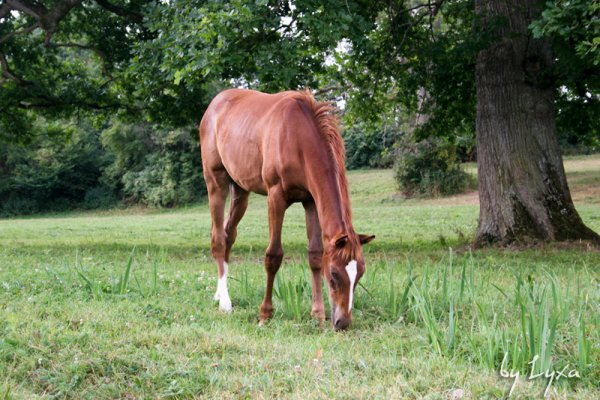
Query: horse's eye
point(335, 279)
point(335, 276)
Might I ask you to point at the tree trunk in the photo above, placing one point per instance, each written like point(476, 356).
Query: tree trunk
point(523, 191)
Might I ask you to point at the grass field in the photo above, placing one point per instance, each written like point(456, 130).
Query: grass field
point(119, 305)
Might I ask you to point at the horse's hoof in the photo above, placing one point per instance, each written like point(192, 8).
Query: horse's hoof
point(319, 316)
point(225, 305)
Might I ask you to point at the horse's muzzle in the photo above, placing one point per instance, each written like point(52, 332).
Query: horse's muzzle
point(342, 322)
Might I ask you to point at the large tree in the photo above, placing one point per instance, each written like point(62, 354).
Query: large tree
point(480, 62)
point(523, 190)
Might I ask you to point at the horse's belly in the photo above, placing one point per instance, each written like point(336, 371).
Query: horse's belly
point(243, 162)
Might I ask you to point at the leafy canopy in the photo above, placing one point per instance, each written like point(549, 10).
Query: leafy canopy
point(163, 61)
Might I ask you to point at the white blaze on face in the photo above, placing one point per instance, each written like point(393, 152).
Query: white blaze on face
point(351, 270)
point(222, 294)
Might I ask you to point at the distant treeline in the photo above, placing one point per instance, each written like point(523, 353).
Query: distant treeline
point(78, 165)
point(75, 165)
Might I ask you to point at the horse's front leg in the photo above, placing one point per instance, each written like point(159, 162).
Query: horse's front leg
point(315, 259)
point(274, 254)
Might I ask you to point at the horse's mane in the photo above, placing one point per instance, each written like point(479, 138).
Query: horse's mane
point(328, 126)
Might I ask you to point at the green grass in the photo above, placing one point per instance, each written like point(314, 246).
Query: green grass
point(119, 305)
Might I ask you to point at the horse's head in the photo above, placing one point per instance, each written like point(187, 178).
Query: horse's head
point(343, 266)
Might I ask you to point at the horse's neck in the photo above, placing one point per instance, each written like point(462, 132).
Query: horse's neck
point(332, 205)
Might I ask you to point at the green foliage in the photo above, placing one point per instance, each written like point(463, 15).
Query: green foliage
point(574, 20)
point(430, 168)
point(51, 173)
point(369, 147)
point(163, 61)
point(574, 29)
point(91, 170)
point(153, 63)
point(154, 166)
point(408, 51)
point(200, 47)
point(74, 63)
point(99, 197)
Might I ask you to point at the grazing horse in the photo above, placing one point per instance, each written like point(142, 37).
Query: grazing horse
point(286, 146)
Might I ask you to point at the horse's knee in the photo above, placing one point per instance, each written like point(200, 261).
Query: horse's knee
point(315, 259)
point(273, 261)
point(218, 245)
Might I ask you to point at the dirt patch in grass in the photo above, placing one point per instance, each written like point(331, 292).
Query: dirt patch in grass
point(463, 199)
point(586, 194)
point(582, 163)
point(579, 193)
point(583, 175)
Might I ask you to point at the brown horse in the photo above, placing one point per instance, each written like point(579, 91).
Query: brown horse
point(286, 146)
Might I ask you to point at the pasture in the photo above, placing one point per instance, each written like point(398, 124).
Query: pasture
point(118, 304)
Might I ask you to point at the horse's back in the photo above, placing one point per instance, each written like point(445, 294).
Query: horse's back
point(246, 133)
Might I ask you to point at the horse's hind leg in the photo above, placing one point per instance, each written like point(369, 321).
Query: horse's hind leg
point(237, 208)
point(315, 259)
point(217, 183)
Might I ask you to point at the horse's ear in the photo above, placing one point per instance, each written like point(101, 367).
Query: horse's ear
point(364, 239)
point(340, 240)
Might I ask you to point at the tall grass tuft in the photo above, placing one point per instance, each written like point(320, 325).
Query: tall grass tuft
point(539, 321)
point(124, 280)
point(583, 345)
point(443, 343)
point(122, 286)
point(93, 287)
point(291, 293)
point(245, 291)
point(396, 298)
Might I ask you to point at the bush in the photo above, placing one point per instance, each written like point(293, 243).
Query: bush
point(368, 147)
point(99, 197)
point(430, 168)
point(154, 166)
point(52, 173)
point(16, 205)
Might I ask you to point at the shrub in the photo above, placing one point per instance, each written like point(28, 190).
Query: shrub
point(368, 147)
point(430, 168)
point(53, 172)
point(99, 197)
point(154, 166)
point(16, 205)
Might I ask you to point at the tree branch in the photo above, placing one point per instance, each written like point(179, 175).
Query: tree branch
point(47, 19)
point(120, 11)
point(51, 19)
point(95, 50)
point(333, 88)
point(28, 7)
point(7, 73)
point(23, 31)
point(434, 9)
point(5, 9)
